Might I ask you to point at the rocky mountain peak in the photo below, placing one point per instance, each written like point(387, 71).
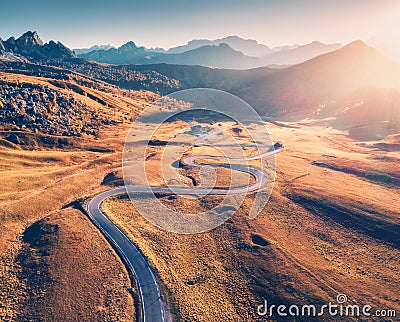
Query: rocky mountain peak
point(29, 40)
point(29, 45)
point(130, 45)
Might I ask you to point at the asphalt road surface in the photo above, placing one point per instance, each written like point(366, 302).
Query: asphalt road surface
point(153, 308)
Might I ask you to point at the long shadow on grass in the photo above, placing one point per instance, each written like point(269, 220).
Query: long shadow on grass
point(370, 226)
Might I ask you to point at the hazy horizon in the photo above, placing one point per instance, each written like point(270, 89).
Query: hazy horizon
point(160, 24)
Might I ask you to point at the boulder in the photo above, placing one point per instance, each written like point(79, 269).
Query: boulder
point(13, 138)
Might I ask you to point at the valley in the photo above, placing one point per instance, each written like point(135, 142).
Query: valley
point(299, 244)
point(331, 225)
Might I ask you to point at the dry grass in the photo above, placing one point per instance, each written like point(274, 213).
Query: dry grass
point(324, 232)
point(329, 228)
point(71, 282)
point(59, 273)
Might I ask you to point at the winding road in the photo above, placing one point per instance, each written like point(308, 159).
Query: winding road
point(152, 306)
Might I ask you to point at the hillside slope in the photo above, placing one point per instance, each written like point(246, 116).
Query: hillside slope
point(306, 86)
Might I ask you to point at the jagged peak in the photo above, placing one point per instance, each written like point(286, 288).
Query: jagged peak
point(129, 45)
point(31, 46)
point(31, 37)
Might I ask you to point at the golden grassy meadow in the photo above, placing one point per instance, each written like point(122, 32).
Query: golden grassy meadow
point(324, 232)
point(330, 226)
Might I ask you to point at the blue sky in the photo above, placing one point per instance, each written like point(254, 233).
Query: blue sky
point(169, 23)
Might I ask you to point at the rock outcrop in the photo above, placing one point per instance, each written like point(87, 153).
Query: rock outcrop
point(30, 45)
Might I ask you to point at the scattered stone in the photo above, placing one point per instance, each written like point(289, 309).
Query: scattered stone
point(13, 138)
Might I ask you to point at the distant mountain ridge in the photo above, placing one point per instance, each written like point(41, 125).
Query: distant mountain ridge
point(290, 55)
point(229, 52)
point(301, 89)
point(79, 51)
point(248, 47)
point(221, 56)
point(120, 55)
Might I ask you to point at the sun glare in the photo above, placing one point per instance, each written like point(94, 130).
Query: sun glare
point(389, 33)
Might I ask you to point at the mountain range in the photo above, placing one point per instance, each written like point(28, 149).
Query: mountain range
point(229, 52)
point(80, 51)
point(303, 87)
point(30, 46)
point(248, 47)
point(221, 56)
point(321, 80)
point(353, 80)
